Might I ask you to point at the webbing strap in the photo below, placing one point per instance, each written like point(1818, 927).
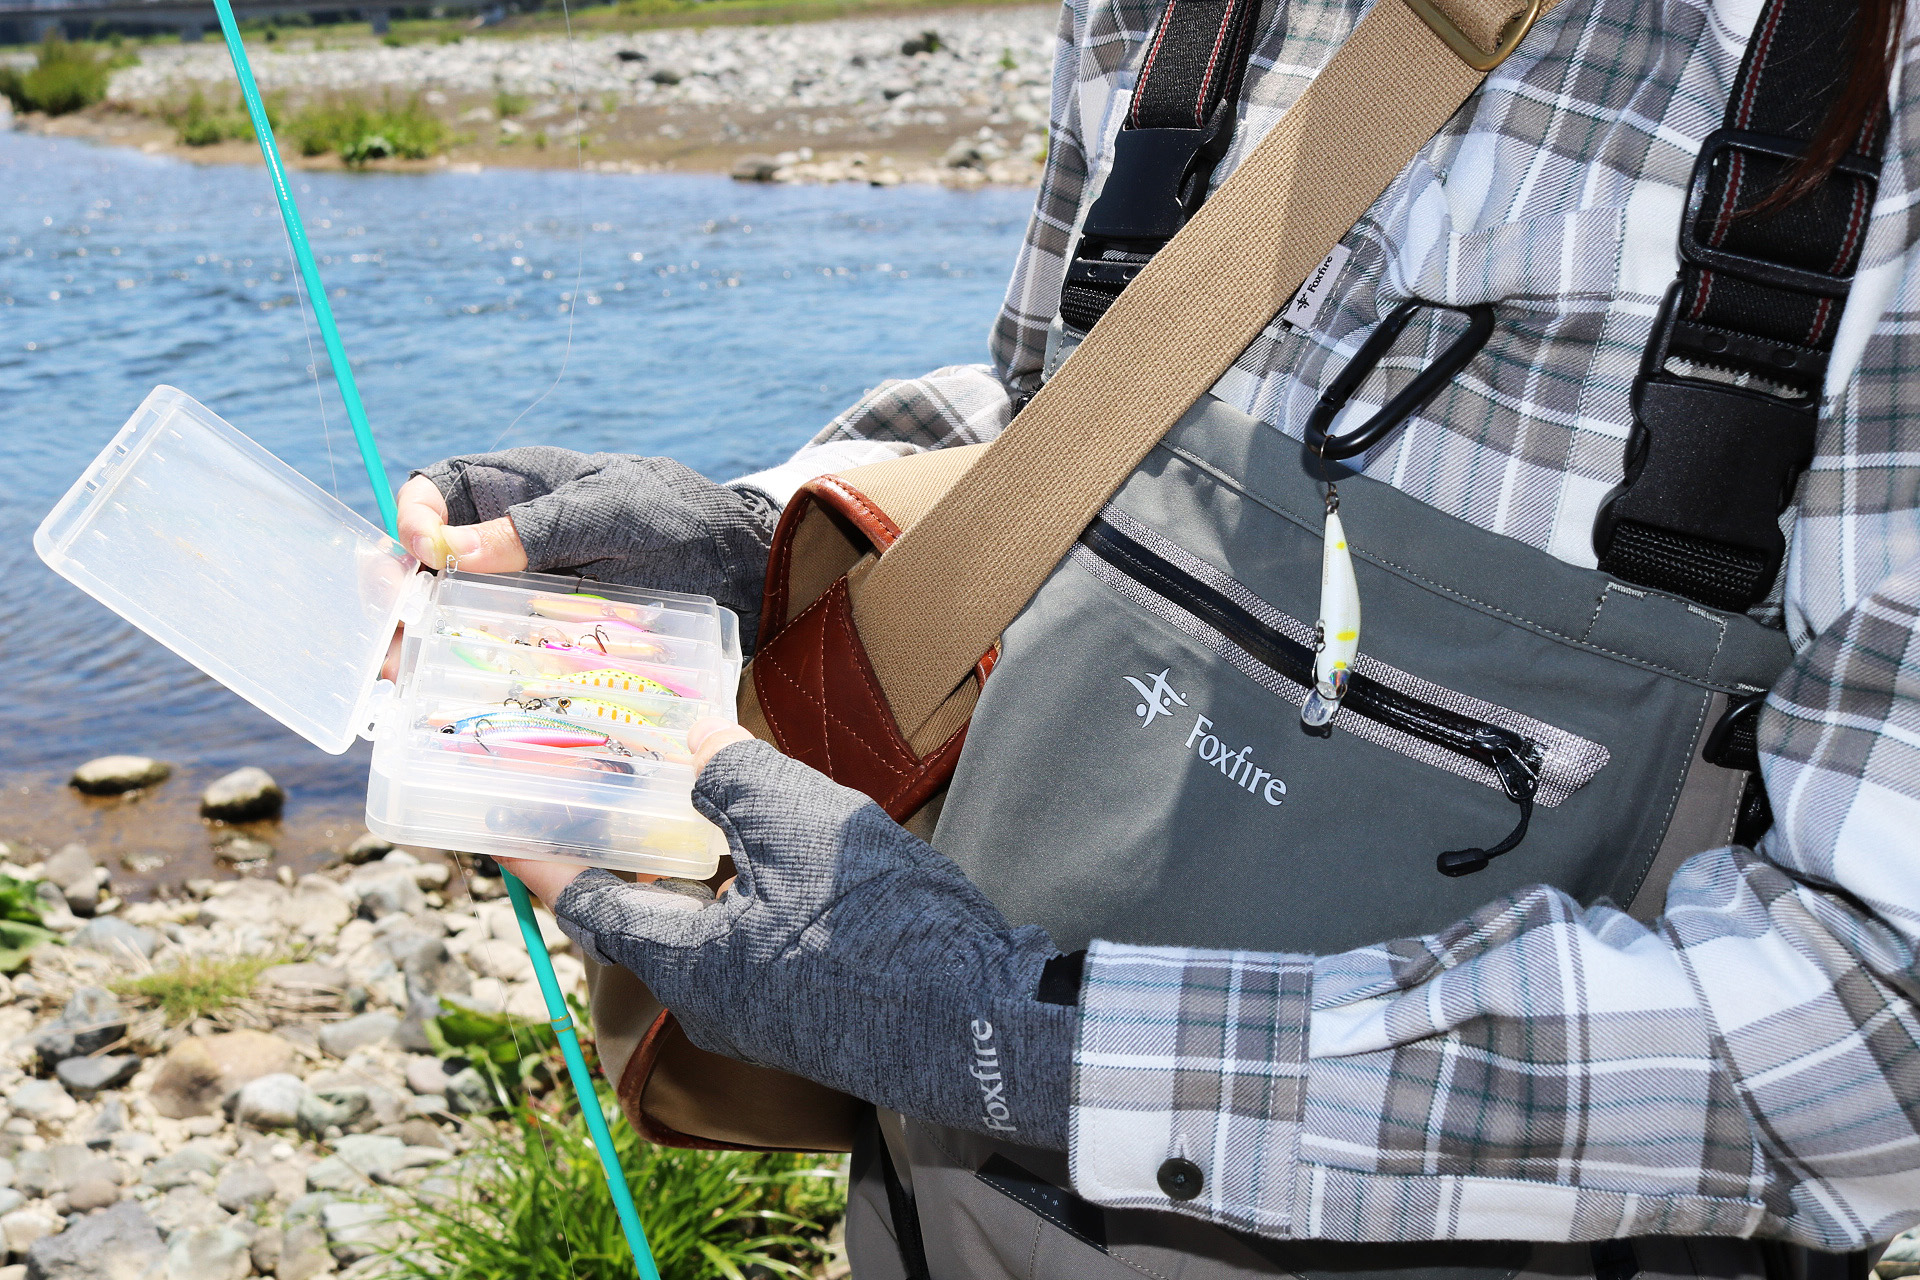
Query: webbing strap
point(1177, 128)
point(944, 591)
point(1729, 395)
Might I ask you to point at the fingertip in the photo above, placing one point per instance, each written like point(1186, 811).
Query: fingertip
point(707, 737)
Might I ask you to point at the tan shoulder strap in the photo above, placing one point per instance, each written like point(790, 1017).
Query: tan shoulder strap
point(990, 541)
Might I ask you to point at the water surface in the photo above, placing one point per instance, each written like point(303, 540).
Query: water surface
point(715, 322)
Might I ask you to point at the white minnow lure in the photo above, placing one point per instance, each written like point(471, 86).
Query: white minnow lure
point(1337, 636)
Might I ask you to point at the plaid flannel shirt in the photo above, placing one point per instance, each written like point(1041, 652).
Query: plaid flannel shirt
point(1542, 1071)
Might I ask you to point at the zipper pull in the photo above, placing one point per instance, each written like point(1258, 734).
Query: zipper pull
point(1336, 636)
point(1520, 779)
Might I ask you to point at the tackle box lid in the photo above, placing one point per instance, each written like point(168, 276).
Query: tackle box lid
point(238, 563)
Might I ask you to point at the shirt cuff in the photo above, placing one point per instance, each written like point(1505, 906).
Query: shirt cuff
point(1189, 1079)
point(779, 483)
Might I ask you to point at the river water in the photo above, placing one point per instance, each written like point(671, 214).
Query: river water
point(716, 322)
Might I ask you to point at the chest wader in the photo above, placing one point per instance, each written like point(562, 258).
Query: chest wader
point(1136, 768)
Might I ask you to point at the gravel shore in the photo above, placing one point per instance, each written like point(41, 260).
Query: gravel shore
point(859, 100)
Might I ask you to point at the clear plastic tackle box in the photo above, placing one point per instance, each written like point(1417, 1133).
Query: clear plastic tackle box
point(532, 716)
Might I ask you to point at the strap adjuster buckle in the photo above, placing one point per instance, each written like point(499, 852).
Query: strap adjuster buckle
point(1465, 49)
point(1799, 279)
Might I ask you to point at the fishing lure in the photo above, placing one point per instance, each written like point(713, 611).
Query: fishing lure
point(590, 608)
point(609, 636)
point(525, 728)
point(616, 681)
point(1336, 636)
point(632, 728)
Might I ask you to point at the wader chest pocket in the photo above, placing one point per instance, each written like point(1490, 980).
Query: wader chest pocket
point(1136, 768)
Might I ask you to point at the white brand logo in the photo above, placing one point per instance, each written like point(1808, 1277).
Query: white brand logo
point(1305, 307)
point(1233, 763)
point(1158, 697)
point(986, 1069)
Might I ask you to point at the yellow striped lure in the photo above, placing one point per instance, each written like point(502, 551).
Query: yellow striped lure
point(1336, 636)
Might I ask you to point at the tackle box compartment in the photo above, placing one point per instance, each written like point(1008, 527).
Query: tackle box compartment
point(532, 716)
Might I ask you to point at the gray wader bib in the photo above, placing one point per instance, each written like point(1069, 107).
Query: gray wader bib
point(1137, 771)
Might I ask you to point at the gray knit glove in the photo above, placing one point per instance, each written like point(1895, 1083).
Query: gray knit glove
point(647, 522)
point(848, 952)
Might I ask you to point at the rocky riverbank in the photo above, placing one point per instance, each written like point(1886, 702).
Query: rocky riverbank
point(959, 98)
point(231, 1079)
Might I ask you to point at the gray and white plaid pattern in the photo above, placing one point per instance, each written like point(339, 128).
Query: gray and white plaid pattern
point(1749, 1066)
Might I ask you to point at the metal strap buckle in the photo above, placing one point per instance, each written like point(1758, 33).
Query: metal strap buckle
point(1466, 50)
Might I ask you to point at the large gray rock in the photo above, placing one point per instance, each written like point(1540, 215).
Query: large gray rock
point(242, 1184)
point(344, 1038)
point(375, 1155)
point(246, 902)
point(119, 1244)
point(335, 1175)
point(111, 775)
point(271, 1102)
point(319, 907)
point(110, 935)
point(92, 1020)
point(303, 1247)
point(89, 1077)
point(382, 891)
point(431, 972)
point(42, 1101)
point(340, 1108)
point(243, 796)
point(427, 1075)
point(200, 1071)
point(209, 1253)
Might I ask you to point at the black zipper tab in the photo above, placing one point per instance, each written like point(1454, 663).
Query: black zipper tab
point(1520, 778)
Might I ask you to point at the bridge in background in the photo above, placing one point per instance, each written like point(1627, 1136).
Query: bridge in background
point(28, 21)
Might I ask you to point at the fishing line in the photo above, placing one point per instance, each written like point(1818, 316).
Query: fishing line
point(313, 362)
point(560, 1016)
point(580, 247)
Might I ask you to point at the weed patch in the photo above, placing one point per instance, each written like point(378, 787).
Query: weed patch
point(359, 132)
point(201, 124)
point(535, 1204)
point(65, 77)
point(197, 986)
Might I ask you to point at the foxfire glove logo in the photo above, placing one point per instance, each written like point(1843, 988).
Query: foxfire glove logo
point(1158, 698)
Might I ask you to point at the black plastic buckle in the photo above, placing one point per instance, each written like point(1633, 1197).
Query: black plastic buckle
point(1759, 270)
point(1412, 398)
point(1710, 463)
point(1734, 742)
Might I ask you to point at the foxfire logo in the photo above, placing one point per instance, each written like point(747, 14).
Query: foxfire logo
point(993, 1086)
point(1235, 765)
point(1156, 697)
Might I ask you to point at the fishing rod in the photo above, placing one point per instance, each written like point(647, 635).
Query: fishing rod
point(559, 1016)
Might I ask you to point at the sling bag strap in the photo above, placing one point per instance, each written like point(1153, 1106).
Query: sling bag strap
point(1178, 127)
point(992, 539)
point(1729, 394)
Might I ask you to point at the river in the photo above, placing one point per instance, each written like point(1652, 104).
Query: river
point(716, 322)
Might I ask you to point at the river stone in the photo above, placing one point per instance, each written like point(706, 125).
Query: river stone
point(43, 1102)
point(426, 1075)
point(87, 1077)
point(201, 1071)
point(344, 1038)
point(382, 892)
point(375, 1155)
point(107, 1124)
point(191, 1165)
point(270, 1102)
point(368, 848)
point(469, 1093)
point(21, 1228)
point(10, 1200)
point(68, 864)
point(89, 1194)
point(266, 1250)
point(120, 1244)
point(335, 1174)
point(242, 1183)
point(248, 902)
point(242, 849)
point(358, 1230)
point(110, 775)
point(303, 1250)
point(342, 1107)
point(319, 907)
point(305, 979)
point(112, 936)
point(243, 796)
point(92, 1020)
point(209, 1253)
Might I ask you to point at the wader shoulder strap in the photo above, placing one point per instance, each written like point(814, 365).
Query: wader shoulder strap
point(1179, 125)
point(993, 538)
point(1728, 398)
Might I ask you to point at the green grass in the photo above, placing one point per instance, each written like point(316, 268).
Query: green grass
point(197, 986)
point(507, 105)
point(65, 77)
point(359, 132)
point(539, 1207)
point(20, 927)
point(200, 124)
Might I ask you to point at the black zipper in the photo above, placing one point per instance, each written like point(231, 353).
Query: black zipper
point(1514, 758)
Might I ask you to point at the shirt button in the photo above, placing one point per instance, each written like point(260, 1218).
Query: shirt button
point(1180, 1179)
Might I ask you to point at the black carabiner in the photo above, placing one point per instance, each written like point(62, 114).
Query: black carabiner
point(1412, 398)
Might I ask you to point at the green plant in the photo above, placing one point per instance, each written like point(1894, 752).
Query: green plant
point(1006, 60)
point(393, 41)
point(534, 1203)
point(20, 927)
point(65, 77)
point(198, 985)
point(201, 125)
point(508, 104)
point(360, 133)
point(510, 1051)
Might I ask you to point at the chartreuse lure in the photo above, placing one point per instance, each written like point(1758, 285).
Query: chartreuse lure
point(556, 1002)
point(1336, 637)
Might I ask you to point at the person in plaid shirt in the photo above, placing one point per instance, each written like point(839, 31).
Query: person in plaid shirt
point(1748, 1065)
